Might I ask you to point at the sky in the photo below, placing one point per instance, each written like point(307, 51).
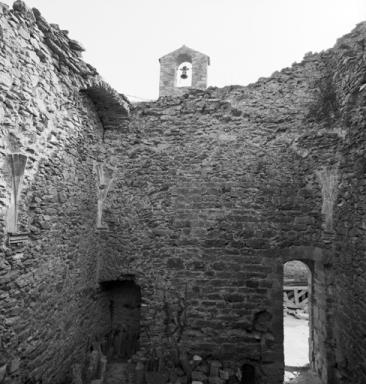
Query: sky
point(245, 39)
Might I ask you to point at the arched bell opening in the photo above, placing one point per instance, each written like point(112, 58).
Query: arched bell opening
point(184, 74)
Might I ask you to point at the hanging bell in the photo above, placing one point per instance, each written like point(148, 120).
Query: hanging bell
point(184, 73)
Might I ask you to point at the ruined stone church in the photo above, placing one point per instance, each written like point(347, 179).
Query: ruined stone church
point(157, 232)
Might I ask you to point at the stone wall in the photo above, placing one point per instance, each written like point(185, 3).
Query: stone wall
point(198, 199)
point(349, 323)
point(51, 307)
point(212, 193)
point(216, 190)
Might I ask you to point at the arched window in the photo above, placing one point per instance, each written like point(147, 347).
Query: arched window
point(184, 74)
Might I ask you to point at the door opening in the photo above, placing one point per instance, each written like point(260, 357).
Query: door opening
point(124, 302)
point(297, 317)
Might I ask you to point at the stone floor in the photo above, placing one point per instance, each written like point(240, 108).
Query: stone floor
point(296, 341)
point(116, 374)
point(303, 377)
point(296, 345)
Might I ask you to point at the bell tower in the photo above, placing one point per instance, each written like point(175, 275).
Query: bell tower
point(181, 70)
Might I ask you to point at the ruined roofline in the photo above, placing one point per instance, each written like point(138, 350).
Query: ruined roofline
point(356, 36)
point(65, 50)
point(111, 106)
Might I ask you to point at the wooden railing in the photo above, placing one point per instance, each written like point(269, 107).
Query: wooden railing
point(295, 297)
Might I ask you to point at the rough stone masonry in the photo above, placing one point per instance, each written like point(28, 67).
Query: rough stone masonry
point(159, 231)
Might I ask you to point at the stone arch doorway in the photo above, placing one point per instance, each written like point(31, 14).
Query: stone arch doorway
point(124, 303)
point(297, 311)
point(319, 262)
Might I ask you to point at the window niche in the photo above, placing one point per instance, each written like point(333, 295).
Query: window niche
point(104, 181)
point(328, 179)
point(16, 166)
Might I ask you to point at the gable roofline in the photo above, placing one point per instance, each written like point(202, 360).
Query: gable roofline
point(184, 48)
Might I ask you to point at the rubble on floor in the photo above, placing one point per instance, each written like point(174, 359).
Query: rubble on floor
point(301, 377)
point(178, 369)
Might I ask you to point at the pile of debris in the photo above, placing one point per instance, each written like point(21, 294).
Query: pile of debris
point(178, 367)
